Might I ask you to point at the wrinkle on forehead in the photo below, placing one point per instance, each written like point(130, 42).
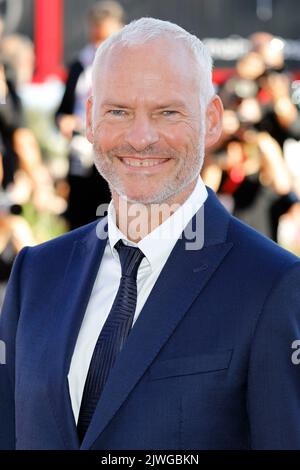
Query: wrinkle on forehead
point(163, 45)
point(161, 51)
point(144, 67)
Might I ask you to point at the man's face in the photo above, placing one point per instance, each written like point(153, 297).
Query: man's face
point(146, 125)
point(99, 31)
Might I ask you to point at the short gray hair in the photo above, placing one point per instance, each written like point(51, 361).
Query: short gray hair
point(145, 30)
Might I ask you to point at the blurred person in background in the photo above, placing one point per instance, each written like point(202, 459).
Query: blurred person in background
point(22, 148)
point(87, 189)
point(280, 116)
point(19, 52)
point(24, 176)
point(247, 168)
point(15, 232)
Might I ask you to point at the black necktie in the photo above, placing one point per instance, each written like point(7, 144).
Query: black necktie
point(112, 335)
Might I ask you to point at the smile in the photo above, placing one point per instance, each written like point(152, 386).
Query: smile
point(143, 162)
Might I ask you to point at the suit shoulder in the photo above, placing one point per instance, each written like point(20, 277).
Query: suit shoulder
point(251, 244)
point(64, 242)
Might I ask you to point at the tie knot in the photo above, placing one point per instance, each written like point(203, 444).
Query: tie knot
point(130, 259)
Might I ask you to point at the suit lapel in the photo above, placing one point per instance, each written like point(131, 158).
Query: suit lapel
point(171, 297)
point(71, 304)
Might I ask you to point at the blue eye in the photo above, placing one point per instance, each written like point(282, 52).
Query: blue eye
point(169, 112)
point(117, 112)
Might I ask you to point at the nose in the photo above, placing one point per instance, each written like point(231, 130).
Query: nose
point(141, 133)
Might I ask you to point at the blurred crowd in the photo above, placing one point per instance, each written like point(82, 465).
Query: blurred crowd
point(254, 169)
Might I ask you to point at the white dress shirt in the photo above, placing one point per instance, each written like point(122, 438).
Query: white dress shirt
point(156, 246)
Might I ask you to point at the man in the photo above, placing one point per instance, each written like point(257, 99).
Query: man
point(209, 360)
point(87, 187)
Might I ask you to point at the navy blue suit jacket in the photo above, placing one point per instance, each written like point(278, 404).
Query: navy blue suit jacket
point(207, 365)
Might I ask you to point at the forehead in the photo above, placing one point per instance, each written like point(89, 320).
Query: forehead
point(159, 66)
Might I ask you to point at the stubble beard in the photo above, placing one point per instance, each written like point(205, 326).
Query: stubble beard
point(188, 172)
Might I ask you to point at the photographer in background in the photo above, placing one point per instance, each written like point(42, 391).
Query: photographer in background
point(248, 169)
point(280, 115)
point(24, 177)
point(14, 230)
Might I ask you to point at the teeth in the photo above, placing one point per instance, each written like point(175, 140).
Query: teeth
point(142, 163)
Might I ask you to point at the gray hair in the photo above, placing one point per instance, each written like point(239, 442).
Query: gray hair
point(145, 30)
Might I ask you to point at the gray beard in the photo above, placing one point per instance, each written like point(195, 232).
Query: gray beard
point(170, 189)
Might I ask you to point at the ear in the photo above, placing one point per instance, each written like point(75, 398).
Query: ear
point(89, 121)
point(214, 114)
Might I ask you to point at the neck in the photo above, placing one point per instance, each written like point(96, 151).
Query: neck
point(136, 220)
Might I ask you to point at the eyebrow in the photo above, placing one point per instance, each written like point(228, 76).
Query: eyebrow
point(107, 104)
point(169, 104)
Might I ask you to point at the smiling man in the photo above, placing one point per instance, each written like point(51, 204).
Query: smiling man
point(121, 334)
point(148, 134)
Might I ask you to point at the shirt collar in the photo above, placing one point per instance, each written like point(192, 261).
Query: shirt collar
point(158, 244)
